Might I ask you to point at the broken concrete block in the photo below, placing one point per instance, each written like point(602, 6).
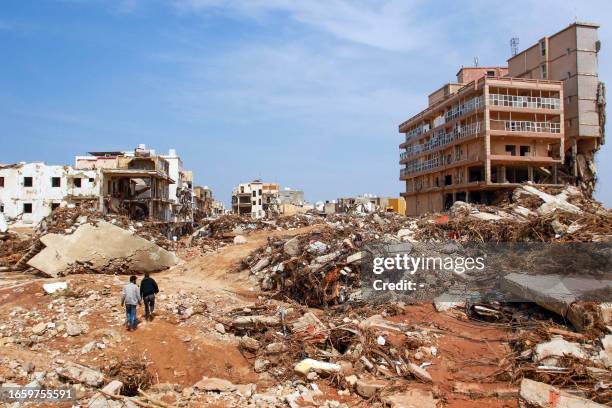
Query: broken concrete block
point(113, 387)
point(368, 387)
point(537, 394)
point(419, 373)
point(310, 329)
point(356, 257)
point(548, 353)
point(39, 329)
point(484, 390)
point(317, 247)
point(261, 365)
point(292, 247)
point(244, 322)
point(249, 343)
point(240, 239)
point(73, 329)
point(554, 292)
point(410, 399)
point(215, 384)
point(77, 373)
point(307, 365)
point(115, 247)
point(262, 263)
point(54, 287)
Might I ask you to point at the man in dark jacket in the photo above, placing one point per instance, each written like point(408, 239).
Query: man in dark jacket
point(148, 289)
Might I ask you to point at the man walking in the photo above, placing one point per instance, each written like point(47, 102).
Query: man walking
point(130, 298)
point(148, 289)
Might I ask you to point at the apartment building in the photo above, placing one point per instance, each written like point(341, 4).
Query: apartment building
point(180, 192)
point(255, 199)
point(202, 202)
point(31, 191)
point(134, 183)
point(481, 135)
point(570, 56)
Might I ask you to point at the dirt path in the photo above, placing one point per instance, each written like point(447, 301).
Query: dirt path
point(217, 270)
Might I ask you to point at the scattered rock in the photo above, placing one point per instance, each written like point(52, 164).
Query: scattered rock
point(537, 394)
point(215, 384)
point(368, 387)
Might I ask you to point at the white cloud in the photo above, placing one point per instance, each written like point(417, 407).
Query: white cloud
point(391, 25)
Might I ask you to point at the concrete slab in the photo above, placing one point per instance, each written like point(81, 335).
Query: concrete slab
point(103, 247)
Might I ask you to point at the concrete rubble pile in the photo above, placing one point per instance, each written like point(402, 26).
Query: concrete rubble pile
point(529, 215)
point(361, 356)
point(322, 267)
point(62, 242)
point(230, 228)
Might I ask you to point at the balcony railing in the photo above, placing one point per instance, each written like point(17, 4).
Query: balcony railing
point(441, 139)
point(420, 166)
point(524, 126)
point(462, 109)
point(524, 101)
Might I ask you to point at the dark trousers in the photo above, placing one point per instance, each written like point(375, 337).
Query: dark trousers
point(149, 303)
point(130, 310)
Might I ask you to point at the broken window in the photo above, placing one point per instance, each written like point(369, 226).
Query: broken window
point(448, 180)
point(241, 189)
point(511, 149)
point(54, 206)
point(28, 181)
point(254, 202)
point(1, 182)
point(27, 208)
point(475, 174)
point(490, 73)
point(56, 182)
point(77, 182)
point(524, 150)
point(91, 179)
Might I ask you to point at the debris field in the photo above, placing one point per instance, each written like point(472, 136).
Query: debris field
point(271, 313)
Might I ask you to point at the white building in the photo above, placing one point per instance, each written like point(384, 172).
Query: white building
point(30, 191)
point(255, 199)
point(181, 192)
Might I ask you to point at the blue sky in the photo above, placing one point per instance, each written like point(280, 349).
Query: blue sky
point(305, 93)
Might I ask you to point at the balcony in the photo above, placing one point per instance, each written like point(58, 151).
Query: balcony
point(525, 126)
point(441, 139)
point(530, 102)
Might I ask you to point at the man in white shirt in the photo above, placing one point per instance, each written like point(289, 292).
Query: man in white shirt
point(130, 298)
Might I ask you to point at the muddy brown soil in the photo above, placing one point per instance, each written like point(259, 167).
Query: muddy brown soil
point(183, 351)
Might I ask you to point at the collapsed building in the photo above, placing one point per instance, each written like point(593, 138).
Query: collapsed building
point(31, 191)
point(256, 199)
point(498, 127)
point(364, 204)
point(135, 184)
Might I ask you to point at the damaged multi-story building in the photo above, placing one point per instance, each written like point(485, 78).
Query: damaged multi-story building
point(497, 127)
point(256, 199)
point(570, 56)
point(202, 203)
point(135, 184)
point(31, 191)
